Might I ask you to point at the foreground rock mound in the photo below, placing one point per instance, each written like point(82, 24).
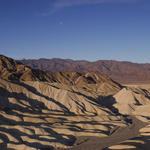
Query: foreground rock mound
point(130, 100)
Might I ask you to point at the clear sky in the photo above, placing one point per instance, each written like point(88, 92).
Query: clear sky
point(76, 29)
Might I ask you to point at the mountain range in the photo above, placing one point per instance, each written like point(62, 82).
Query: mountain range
point(120, 71)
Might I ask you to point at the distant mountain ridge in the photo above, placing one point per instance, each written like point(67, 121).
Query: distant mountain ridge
point(124, 72)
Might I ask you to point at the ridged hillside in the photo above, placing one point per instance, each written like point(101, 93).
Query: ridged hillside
point(14, 70)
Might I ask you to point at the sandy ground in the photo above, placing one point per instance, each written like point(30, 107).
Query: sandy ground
point(138, 85)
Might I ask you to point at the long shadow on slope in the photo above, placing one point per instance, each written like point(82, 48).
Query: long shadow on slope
point(106, 102)
point(146, 92)
point(16, 133)
point(24, 138)
point(8, 129)
point(34, 91)
point(12, 131)
point(102, 102)
point(9, 108)
point(34, 105)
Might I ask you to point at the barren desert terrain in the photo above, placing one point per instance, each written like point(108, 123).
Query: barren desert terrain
point(68, 110)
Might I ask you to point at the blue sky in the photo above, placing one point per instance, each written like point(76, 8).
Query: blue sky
point(76, 29)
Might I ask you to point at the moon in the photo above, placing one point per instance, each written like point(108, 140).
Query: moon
point(61, 23)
